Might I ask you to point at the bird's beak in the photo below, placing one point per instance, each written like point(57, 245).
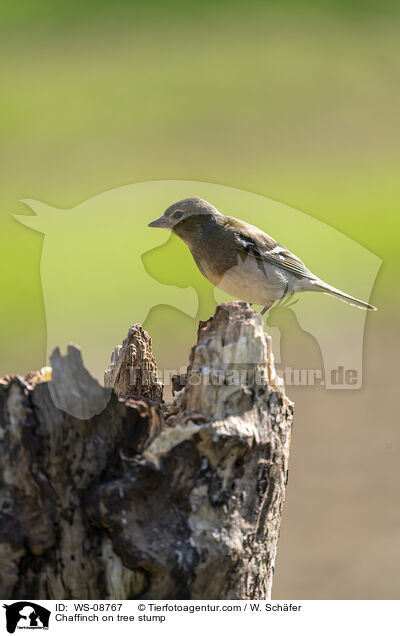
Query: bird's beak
point(162, 221)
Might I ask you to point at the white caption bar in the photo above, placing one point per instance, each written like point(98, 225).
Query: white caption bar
point(181, 617)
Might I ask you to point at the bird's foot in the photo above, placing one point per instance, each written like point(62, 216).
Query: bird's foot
point(265, 309)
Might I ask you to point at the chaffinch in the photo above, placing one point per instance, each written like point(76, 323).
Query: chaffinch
point(241, 259)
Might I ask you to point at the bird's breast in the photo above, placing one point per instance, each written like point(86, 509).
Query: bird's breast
point(250, 279)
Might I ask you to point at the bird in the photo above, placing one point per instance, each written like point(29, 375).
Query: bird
point(240, 259)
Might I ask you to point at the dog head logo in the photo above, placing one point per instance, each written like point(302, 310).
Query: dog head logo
point(25, 614)
point(96, 281)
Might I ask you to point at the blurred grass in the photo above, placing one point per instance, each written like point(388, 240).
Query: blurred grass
point(298, 102)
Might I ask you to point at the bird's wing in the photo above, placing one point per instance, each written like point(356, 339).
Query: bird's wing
point(250, 240)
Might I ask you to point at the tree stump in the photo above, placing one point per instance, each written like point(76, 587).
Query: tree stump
point(147, 500)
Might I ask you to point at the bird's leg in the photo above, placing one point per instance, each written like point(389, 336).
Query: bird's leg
point(285, 291)
point(284, 295)
point(265, 309)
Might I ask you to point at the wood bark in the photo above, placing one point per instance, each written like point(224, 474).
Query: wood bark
point(145, 499)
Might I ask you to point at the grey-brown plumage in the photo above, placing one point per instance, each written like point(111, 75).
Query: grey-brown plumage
point(241, 259)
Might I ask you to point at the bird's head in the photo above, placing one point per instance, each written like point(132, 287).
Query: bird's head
point(181, 211)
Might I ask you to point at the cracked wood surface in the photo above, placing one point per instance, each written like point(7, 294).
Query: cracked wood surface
point(144, 499)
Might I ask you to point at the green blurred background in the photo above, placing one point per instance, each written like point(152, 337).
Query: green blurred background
point(298, 101)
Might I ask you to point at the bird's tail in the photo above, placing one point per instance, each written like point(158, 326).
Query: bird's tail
point(332, 291)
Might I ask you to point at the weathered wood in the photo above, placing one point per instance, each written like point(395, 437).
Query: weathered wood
point(147, 500)
point(133, 370)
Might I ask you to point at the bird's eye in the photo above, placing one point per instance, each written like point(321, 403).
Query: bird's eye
point(177, 214)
